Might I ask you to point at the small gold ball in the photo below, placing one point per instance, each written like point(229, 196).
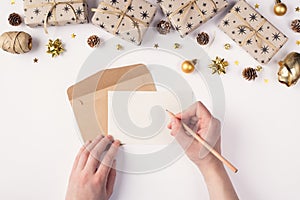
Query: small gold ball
point(280, 9)
point(227, 46)
point(187, 66)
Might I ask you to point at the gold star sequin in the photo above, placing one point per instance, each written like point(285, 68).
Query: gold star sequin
point(256, 6)
point(35, 60)
point(236, 62)
point(73, 35)
point(297, 9)
point(12, 2)
point(156, 46)
point(298, 42)
point(119, 47)
point(266, 80)
point(176, 46)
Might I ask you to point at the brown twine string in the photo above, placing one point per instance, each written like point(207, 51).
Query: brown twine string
point(53, 8)
point(122, 14)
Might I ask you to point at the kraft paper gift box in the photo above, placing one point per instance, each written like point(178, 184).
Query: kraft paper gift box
point(128, 19)
point(89, 97)
point(55, 12)
point(187, 15)
point(255, 34)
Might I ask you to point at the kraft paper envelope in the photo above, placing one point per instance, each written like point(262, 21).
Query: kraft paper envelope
point(89, 98)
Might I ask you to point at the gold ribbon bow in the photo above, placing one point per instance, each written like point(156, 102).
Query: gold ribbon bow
point(189, 4)
point(53, 9)
point(123, 14)
point(254, 32)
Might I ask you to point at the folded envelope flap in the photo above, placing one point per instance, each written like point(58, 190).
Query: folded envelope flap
point(90, 101)
point(107, 78)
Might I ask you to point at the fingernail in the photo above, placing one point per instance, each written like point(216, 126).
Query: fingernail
point(110, 137)
point(117, 142)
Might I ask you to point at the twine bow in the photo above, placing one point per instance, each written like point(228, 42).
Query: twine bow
point(53, 10)
point(254, 32)
point(123, 14)
point(189, 4)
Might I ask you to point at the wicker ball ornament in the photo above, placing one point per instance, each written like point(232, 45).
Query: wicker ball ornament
point(295, 25)
point(250, 73)
point(163, 27)
point(14, 19)
point(93, 41)
point(203, 38)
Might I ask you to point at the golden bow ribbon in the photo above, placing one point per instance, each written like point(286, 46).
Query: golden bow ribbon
point(122, 14)
point(190, 4)
point(254, 32)
point(53, 9)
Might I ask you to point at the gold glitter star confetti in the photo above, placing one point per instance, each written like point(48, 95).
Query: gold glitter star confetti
point(55, 48)
point(35, 60)
point(12, 2)
point(298, 42)
point(259, 68)
point(219, 66)
point(73, 35)
point(266, 80)
point(119, 47)
point(297, 9)
point(256, 6)
point(177, 46)
point(236, 62)
point(156, 46)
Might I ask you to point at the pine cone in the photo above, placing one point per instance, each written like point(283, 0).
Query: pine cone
point(295, 25)
point(203, 38)
point(14, 19)
point(93, 41)
point(249, 73)
point(163, 27)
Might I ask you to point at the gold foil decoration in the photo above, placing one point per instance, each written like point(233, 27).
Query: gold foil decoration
point(289, 71)
point(219, 65)
point(55, 48)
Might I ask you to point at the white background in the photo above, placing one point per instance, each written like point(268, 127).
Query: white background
point(39, 140)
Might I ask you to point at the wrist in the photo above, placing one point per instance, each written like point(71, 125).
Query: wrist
point(214, 166)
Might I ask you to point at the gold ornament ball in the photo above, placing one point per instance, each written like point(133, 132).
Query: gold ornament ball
point(188, 66)
point(227, 46)
point(280, 8)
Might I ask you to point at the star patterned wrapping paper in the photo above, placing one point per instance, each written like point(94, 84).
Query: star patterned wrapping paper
point(55, 12)
point(252, 32)
point(128, 19)
point(187, 15)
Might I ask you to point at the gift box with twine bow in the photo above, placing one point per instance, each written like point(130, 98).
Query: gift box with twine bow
point(252, 32)
point(128, 19)
point(55, 12)
point(187, 15)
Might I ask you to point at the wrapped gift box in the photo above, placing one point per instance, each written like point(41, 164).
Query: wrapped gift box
point(252, 32)
point(128, 19)
point(55, 12)
point(187, 15)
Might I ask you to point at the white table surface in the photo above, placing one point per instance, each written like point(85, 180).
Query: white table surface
point(38, 138)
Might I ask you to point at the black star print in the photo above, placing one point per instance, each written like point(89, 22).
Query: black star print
point(104, 8)
point(237, 9)
point(264, 50)
point(226, 22)
point(177, 28)
point(132, 39)
point(168, 13)
point(144, 14)
point(36, 11)
point(215, 10)
point(249, 42)
point(181, 11)
point(261, 29)
point(135, 24)
point(130, 8)
point(117, 32)
point(102, 25)
point(66, 8)
point(253, 17)
point(204, 12)
point(79, 11)
point(114, 2)
point(241, 30)
point(276, 36)
point(189, 25)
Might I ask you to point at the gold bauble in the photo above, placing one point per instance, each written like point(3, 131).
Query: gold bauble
point(289, 71)
point(188, 66)
point(280, 8)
